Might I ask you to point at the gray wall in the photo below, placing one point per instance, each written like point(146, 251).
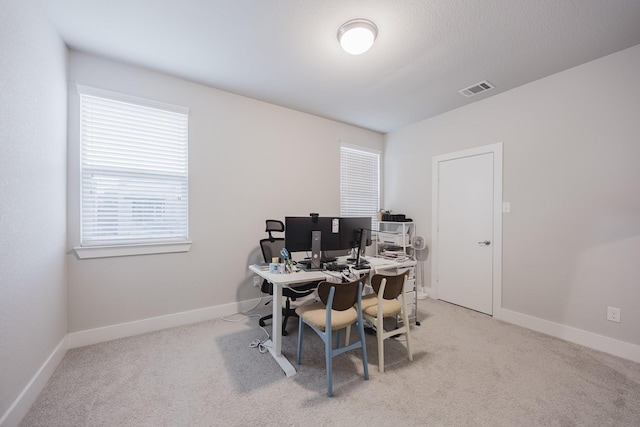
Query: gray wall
point(571, 245)
point(33, 115)
point(248, 161)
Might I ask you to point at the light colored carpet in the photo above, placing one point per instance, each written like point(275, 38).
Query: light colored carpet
point(468, 370)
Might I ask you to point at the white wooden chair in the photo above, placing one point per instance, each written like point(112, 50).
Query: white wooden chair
point(384, 303)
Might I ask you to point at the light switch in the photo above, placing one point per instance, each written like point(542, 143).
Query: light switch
point(506, 207)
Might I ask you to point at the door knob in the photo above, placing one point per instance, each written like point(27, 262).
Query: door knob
point(485, 243)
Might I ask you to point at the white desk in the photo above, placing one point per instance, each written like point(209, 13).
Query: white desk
point(381, 264)
point(280, 280)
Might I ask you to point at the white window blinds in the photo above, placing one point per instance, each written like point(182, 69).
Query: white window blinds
point(134, 162)
point(359, 183)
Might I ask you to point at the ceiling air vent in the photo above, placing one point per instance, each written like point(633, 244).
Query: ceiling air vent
point(476, 89)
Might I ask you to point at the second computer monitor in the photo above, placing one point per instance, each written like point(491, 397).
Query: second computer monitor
point(356, 234)
point(350, 229)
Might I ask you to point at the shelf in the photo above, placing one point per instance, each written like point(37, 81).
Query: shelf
point(394, 239)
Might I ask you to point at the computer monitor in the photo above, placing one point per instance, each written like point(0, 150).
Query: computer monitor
point(356, 234)
point(325, 236)
point(350, 231)
point(315, 234)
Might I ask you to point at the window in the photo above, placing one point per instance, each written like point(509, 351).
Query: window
point(134, 164)
point(359, 182)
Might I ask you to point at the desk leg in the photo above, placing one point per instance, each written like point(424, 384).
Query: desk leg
point(275, 347)
point(276, 321)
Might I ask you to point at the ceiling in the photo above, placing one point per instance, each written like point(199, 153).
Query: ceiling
point(286, 52)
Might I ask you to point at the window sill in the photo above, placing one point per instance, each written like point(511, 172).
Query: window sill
point(88, 252)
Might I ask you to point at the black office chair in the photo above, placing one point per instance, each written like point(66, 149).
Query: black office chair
point(271, 247)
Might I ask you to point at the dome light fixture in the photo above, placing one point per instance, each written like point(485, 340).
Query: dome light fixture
point(357, 36)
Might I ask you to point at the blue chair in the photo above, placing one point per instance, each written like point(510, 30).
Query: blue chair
point(340, 307)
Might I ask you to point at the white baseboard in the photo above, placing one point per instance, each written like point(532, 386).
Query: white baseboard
point(137, 327)
point(23, 402)
point(588, 339)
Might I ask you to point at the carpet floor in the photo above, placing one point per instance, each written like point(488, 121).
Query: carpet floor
point(468, 370)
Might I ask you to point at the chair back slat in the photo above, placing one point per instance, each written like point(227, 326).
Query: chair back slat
point(394, 287)
point(345, 297)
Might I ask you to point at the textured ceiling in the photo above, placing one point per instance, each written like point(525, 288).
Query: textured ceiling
point(286, 52)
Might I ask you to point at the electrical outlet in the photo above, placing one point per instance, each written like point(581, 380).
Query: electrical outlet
point(256, 281)
point(613, 314)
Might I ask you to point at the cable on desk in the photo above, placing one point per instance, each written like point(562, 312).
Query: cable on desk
point(294, 290)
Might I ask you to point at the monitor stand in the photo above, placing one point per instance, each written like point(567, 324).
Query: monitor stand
point(361, 264)
point(316, 237)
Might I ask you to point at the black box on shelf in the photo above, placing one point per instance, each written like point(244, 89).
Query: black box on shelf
point(394, 217)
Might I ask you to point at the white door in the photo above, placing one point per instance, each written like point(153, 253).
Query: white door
point(465, 238)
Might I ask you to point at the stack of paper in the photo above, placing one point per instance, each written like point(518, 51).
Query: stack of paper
point(394, 253)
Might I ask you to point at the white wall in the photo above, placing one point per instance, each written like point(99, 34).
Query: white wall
point(571, 245)
point(33, 113)
point(248, 161)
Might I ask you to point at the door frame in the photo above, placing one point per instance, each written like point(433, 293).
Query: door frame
point(496, 245)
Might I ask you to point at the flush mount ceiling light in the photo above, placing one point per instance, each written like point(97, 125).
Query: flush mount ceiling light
point(357, 36)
